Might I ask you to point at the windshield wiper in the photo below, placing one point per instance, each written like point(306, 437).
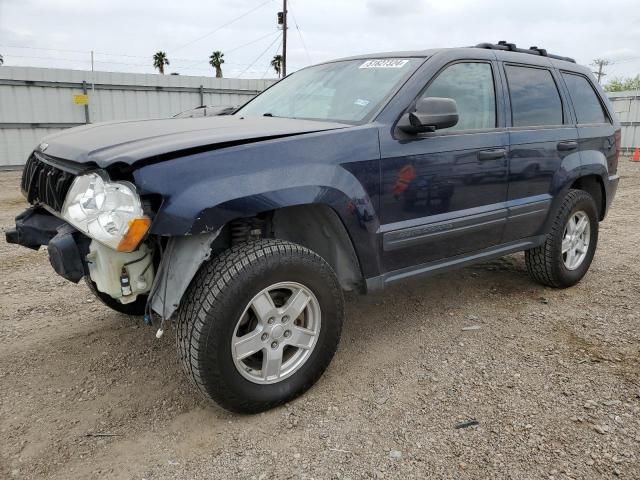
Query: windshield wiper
point(268, 114)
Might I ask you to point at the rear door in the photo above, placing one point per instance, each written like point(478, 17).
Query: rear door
point(596, 132)
point(543, 139)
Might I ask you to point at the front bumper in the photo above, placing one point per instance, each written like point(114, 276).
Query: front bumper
point(67, 247)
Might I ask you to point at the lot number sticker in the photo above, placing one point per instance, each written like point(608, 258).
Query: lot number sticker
point(385, 63)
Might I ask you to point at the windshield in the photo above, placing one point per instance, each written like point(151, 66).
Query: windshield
point(347, 91)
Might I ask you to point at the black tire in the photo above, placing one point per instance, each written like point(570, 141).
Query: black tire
point(215, 301)
point(135, 308)
point(545, 263)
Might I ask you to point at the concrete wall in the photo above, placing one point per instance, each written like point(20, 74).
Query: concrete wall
point(37, 101)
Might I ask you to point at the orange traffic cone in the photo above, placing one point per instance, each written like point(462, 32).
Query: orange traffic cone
point(636, 155)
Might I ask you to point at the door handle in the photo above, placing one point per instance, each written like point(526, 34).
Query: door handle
point(566, 146)
point(492, 154)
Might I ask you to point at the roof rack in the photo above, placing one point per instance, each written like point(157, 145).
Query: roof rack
point(511, 47)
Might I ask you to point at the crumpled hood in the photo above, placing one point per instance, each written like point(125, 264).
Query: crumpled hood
point(131, 141)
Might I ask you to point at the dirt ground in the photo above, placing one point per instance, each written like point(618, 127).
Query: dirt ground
point(552, 377)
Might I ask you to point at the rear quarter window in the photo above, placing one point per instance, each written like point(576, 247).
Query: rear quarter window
point(535, 100)
point(584, 98)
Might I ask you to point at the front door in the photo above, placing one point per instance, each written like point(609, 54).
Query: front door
point(443, 193)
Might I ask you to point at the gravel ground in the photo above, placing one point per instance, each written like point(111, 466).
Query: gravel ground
point(551, 377)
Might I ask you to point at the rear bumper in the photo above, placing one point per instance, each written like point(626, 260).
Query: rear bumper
point(611, 189)
point(66, 246)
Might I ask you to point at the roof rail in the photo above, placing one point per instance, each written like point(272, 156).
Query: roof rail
point(511, 47)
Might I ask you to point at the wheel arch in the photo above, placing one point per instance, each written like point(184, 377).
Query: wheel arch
point(319, 228)
point(594, 186)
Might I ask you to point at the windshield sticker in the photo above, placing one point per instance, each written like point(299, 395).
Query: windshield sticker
point(361, 103)
point(385, 63)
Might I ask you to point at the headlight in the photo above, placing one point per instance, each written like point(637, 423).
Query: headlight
point(109, 212)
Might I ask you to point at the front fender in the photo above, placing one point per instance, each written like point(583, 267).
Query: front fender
point(203, 192)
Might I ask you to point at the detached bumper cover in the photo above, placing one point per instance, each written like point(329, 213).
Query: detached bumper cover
point(34, 227)
point(67, 247)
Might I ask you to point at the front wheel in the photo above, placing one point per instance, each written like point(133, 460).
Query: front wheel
point(259, 324)
point(564, 258)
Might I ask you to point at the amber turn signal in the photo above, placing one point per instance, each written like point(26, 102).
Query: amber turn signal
point(138, 228)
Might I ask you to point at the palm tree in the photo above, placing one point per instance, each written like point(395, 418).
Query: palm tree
point(216, 61)
point(276, 63)
point(1, 60)
point(160, 60)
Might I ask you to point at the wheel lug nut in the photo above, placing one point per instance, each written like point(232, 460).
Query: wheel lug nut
point(285, 319)
point(264, 337)
point(271, 320)
point(274, 344)
point(287, 333)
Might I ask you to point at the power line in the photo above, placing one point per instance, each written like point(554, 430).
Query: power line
point(82, 60)
point(51, 49)
point(217, 29)
point(260, 56)
point(88, 52)
point(252, 42)
point(295, 22)
point(197, 62)
point(269, 61)
point(625, 60)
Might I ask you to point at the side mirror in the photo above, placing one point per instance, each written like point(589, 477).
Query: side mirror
point(431, 114)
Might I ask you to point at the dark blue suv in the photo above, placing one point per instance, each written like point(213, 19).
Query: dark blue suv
point(244, 230)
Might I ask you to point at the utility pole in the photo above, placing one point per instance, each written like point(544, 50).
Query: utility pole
point(600, 63)
point(284, 38)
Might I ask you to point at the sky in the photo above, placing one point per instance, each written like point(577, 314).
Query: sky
point(124, 34)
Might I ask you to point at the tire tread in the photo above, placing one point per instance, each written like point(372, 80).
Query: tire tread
point(201, 303)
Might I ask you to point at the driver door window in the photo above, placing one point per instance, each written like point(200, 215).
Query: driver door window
point(471, 85)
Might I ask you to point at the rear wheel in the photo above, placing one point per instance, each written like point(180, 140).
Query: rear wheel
point(564, 258)
point(259, 324)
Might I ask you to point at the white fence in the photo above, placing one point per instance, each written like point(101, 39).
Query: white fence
point(37, 101)
point(627, 108)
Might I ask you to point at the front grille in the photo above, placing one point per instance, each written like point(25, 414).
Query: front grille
point(45, 183)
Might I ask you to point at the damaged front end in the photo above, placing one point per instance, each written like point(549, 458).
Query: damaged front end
point(159, 269)
point(73, 255)
point(96, 227)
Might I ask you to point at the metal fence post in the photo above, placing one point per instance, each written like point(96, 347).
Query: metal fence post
point(202, 95)
point(86, 106)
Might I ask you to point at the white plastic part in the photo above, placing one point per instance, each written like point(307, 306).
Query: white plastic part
point(106, 268)
point(159, 333)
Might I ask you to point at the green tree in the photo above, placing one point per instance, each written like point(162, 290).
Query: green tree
point(619, 84)
point(160, 60)
point(216, 61)
point(1, 60)
point(276, 63)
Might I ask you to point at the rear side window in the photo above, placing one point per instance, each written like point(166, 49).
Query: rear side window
point(535, 100)
point(585, 101)
point(471, 86)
